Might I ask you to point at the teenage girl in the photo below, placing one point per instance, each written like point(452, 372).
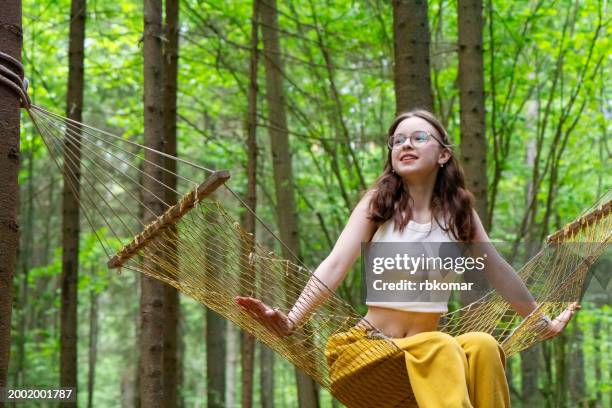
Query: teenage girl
point(420, 196)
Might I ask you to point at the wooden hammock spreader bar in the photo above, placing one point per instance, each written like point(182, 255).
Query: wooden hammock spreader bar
point(581, 222)
point(169, 217)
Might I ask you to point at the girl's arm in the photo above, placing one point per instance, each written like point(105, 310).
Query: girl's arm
point(501, 275)
point(332, 271)
point(512, 288)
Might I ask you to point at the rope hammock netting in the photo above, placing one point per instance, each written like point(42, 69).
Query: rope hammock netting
point(197, 247)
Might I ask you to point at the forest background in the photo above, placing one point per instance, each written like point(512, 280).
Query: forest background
point(521, 86)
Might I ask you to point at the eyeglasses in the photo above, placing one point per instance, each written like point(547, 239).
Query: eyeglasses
point(417, 138)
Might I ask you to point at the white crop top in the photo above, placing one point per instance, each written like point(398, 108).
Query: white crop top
point(415, 232)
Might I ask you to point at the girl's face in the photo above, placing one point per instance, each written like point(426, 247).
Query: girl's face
point(419, 154)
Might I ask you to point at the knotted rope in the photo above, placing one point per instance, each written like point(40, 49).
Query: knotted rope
point(11, 76)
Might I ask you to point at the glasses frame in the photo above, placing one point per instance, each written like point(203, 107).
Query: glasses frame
point(390, 138)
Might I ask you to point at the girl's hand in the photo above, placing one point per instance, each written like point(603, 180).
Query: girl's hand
point(556, 326)
point(275, 320)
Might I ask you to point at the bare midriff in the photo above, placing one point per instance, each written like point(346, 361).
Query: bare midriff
point(399, 323)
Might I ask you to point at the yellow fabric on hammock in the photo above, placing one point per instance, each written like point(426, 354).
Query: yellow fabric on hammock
point(432, 369)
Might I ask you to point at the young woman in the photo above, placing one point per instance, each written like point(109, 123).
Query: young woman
point(420, 196)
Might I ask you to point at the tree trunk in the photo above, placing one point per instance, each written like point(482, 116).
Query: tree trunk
point(281, 162)
point(70, 203)
point(171, 355)
point(25, 256)
point(529, 376)
point(215, 331)
point(411, 47)
point(46, 256)
point(215, 359)
point(171, 295)
point(231, 362)
point(576, 381)
point(559, 389)
point(134, 384)
point(471, 101)
point(598, 356)
point(529, 357)
point(180, 373)
point(10, 43)
point(266, 360)
point(247, 342)
point(152, 291)
point(93, 347)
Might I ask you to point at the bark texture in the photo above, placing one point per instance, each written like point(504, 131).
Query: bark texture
point(281, 163)
point(10, 43)
point(70, 203)
point(152, 291)
point(411, 48)
point(471, 100)
point(247, 342)
point(171, 295)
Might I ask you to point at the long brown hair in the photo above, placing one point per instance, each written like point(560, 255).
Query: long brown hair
point(450, 199)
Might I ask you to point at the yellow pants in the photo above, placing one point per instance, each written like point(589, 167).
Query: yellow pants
point(431, 369)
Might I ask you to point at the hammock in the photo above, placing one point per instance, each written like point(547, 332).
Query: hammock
point(197, 247)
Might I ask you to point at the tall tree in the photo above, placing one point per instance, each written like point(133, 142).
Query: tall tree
point(247, 342)
point(530, 366)
point(152, 291)
point(470, 78)
point(70, 203)
point(471, 102)
point(10, 43)
point(411, 48)
point(26, 252)
point(93, 346)
point(215, 330)
point(215, 357)
point(231, 363)
point(171, 296)
point(281, 163)
point(598, 347)
point(558, 388)
point(266, 376)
